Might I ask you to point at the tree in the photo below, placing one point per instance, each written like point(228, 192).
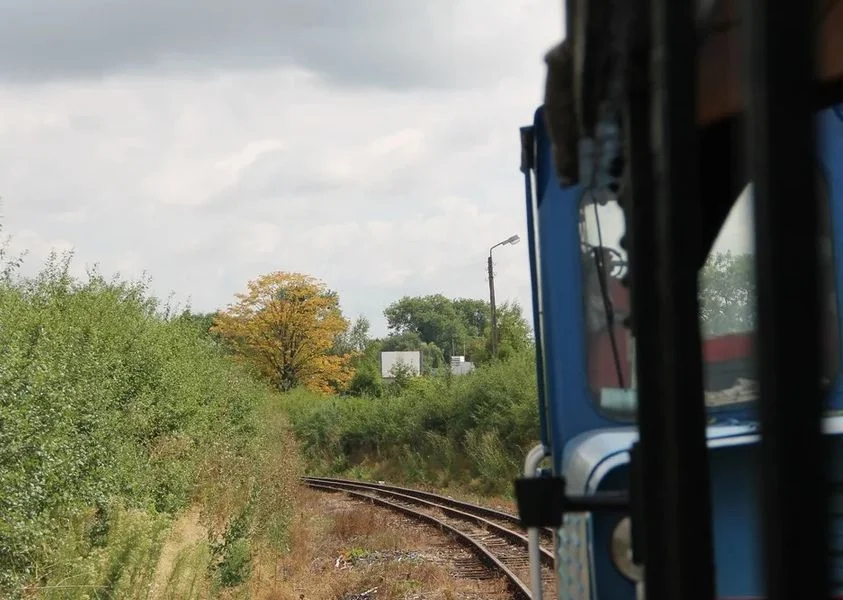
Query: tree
point(354, 339)
point(727, 294)
point(286, 325)
point(513, 330)
point(433, 318)
point(475, 315)
point(203, 321)
point(401, 375)
point(458, 326)
point(367, 379)
point(358, 335)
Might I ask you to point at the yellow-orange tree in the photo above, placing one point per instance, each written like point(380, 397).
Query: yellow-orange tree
point(286, 324)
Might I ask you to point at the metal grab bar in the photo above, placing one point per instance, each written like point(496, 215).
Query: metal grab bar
point(531, 467)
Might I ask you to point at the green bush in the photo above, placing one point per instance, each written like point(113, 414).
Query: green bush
point(471, 429)
point(107, 398)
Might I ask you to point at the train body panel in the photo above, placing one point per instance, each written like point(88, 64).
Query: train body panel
point(590, 431)
point(598, 461)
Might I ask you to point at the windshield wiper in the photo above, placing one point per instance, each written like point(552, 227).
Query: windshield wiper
point(610, 312)
point(608, 308)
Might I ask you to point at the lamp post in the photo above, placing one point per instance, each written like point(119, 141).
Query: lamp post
point(512, 240)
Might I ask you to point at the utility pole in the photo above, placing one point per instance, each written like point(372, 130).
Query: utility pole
point(494, 316)
point(492, 305)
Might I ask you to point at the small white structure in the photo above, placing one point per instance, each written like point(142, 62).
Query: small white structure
point(389, 360)
point(459, 366)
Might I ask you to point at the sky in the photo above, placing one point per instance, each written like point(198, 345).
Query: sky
point(735, 235)
point(370, 143)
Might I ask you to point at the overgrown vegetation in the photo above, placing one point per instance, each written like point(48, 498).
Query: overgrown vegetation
point(140, 461)
point(117, 414)
point(470, 430)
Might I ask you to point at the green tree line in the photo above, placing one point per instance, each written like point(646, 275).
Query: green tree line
point(341, 356)
point(276, 327)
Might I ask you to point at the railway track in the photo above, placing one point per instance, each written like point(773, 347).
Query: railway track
point(494, 536)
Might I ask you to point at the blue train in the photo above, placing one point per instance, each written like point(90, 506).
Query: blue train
point(586, 369)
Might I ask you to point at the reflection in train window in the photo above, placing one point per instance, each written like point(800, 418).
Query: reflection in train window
point(727, 306)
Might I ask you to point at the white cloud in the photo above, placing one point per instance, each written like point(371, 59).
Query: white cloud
point(31, 242)
point(384, 175)
point(245, 157)
point(395, 44)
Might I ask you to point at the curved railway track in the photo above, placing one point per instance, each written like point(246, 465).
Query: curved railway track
point(494, 536)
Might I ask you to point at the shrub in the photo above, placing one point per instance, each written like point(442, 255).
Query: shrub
point(471, 429)
point(111, 404)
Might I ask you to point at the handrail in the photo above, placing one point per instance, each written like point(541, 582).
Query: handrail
point(531, 466)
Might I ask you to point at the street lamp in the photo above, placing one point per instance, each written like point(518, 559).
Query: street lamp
point(512, 240)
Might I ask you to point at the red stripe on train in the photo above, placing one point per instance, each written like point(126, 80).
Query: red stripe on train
point(729, 355)
point(727, 347)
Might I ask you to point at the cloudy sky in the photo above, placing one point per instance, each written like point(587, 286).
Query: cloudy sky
point(372, 143)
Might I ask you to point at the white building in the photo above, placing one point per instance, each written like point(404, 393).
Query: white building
point(389, 360)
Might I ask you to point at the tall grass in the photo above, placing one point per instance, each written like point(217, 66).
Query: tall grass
point(116, 413)
point(470, 430)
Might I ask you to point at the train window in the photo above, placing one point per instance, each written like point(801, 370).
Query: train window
point(727, 307)
point(727, 310)
point(609, 347)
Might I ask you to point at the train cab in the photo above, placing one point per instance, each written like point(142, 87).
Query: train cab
point(587, 370)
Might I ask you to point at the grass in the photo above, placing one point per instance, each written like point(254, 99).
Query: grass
point(121, 568)
point(182, 562)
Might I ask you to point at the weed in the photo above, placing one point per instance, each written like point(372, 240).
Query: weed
point(355, 523)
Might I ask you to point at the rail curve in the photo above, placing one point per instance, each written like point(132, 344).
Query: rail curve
point(489, 533)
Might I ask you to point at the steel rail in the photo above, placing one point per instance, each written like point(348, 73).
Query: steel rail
point(475, 509)
point(513, 536)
